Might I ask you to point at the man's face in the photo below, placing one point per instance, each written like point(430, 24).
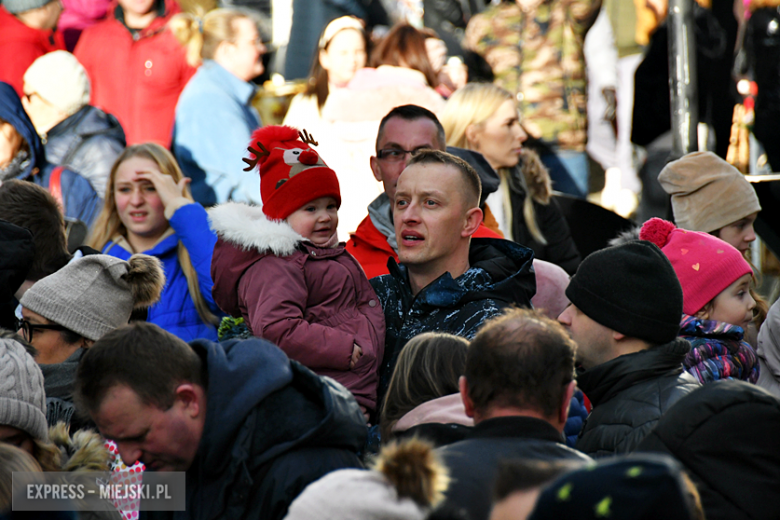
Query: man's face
point(400, 134)
point(430, 216)
point(164, 440)
point(594, 341)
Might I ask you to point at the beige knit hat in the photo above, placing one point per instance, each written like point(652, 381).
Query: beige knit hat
point(707, 192)
point(405, 484)
point(59, 79)
point(22, 398)
point(97, 293)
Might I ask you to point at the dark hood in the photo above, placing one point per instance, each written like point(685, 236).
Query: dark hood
point(243, 374)
point(725, 434)
point(11, 110)
point(500, 270)
point(88, 122)
point(240, 375)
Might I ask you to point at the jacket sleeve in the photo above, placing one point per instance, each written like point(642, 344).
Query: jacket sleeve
point(80, 199)
point(275, 294)
point(561, 249)
point(190, 223)
point(219, 150)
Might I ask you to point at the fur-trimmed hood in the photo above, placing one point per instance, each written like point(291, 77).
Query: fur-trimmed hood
point(244, 236)
point(247, 228)
point(85, 451)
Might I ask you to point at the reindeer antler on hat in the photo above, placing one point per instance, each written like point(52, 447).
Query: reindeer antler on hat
point(291, 172)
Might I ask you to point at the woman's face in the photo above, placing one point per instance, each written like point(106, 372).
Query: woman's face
point(345, 55)
point(10, 142)
point(500, 138)
point(138, 204)
point(740, 234)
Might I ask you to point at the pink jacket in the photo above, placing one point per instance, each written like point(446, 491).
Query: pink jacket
point(443, 410)
point(314, 303)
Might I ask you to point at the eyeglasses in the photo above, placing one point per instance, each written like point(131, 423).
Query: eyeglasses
point(395, 154)
point(27, 328)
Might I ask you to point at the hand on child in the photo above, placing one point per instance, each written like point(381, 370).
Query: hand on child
point(167, 189)
point(356, 353)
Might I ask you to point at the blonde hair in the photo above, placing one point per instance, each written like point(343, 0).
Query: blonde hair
point(201, 34)
point(473, 105)
point(428, 367)
point(12, 460)
point(108, 224)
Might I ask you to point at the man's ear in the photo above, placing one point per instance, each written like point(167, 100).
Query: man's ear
point(617, 336)
point(375, 168)
point(464, 395)
point(192, 398)
point(472, 137)
point(563, 412)
point(472, 222)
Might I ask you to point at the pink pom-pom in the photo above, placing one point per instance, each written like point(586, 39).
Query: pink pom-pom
point(657, 231)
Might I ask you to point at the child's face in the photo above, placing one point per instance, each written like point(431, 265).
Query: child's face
point(734, 305)
point(316, 221)
point(740, 233)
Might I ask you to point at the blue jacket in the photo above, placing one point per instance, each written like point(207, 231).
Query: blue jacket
point(214, 124)
point(80, 200)
point(176, 312)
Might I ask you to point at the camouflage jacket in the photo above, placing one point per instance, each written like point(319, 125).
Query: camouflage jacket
point(535, 51)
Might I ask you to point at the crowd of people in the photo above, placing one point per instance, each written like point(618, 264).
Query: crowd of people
point(377, 309)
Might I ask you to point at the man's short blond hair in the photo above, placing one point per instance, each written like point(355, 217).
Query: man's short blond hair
point(471, 181)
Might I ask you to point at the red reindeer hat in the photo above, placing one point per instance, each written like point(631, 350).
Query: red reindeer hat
point(291, 172)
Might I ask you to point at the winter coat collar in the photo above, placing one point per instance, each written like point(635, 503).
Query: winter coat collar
point(500, 270)
point(381, 214)
point(516, 427)
point(603, 382)
point(241, 90)
point(165, 11)
point(247, 228)
point(85, 123)
point(444, 410)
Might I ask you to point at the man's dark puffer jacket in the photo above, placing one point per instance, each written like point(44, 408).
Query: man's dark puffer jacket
point(629, 394)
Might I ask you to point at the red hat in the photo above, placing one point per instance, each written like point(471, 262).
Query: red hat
point(291, 173)
point(705, 265)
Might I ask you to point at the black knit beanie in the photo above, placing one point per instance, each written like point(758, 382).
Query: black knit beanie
point(632, 289)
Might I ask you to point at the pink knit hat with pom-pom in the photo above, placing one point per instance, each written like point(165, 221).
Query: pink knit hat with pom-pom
point(705, 265)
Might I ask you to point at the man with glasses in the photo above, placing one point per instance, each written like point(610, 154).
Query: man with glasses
point(26, 32)
point(402, 132)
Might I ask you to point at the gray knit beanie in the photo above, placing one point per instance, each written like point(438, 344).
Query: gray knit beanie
point(22, 398)
point(20, 6)
point(97, 293)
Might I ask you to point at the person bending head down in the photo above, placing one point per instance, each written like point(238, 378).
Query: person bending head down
point(436, 210)
point(150, 401)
